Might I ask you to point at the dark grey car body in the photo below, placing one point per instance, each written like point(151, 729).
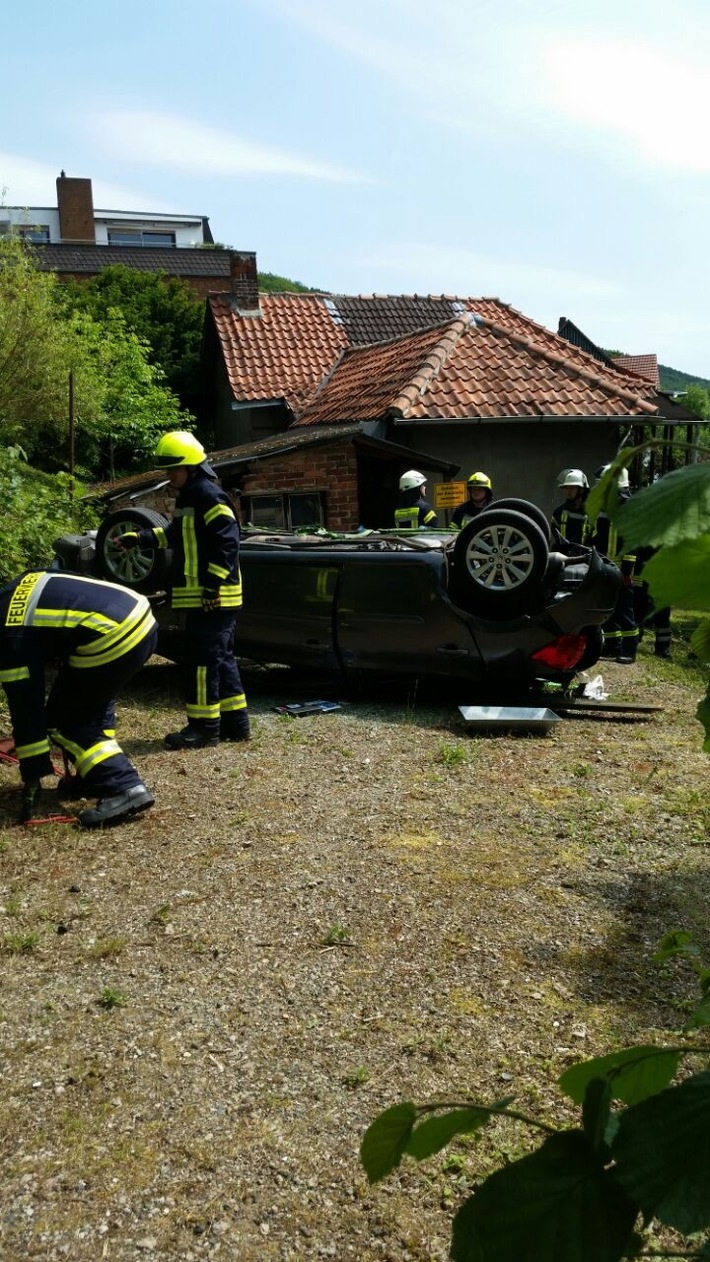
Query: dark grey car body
point(412, 603)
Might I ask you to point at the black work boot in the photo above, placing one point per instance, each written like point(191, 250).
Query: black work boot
point(627, 656)
point(662, 650)
point(113, 810)
point(192, 737)
point(231, 729)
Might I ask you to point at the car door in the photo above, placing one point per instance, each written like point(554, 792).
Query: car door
point(288, 606)
point(393, 615)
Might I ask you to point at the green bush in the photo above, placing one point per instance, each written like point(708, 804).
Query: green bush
point(37, 508)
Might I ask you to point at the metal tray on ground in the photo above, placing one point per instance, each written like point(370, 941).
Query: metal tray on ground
point(510, 718)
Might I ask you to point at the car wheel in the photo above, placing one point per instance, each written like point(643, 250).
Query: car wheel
point(500, 560)
point(528, 510)
point(145, 570)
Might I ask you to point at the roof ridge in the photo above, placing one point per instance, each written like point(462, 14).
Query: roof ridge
point(433, 361)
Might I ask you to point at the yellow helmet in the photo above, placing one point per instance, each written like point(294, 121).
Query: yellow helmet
point(480, 479)
point(178, 448)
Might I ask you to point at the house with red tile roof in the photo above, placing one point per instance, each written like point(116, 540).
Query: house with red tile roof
point(468, 382)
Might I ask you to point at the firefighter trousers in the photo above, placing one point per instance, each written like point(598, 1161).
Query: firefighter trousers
point(213, 687)
point(81, 716)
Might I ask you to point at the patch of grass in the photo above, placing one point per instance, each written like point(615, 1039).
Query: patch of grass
point(13, 903)
point(110, 997)
point(19, 943)
point(162, 915)
point(581, 770)
point(106, 948)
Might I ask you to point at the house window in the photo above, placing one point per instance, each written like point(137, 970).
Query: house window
point(285, 512)
point(38, 232)
point(136, 237)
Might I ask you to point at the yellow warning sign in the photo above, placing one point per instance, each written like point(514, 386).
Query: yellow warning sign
point(449, 494)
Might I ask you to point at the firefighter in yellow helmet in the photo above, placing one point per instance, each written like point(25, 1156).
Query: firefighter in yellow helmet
point(207, 586)
point(480, 494)
point(414, 511)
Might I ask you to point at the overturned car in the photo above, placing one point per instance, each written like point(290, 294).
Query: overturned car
point(498, 603)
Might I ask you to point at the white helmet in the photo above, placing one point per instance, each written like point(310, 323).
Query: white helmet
point(410, 479)
point(622, 480)
point(572, 477)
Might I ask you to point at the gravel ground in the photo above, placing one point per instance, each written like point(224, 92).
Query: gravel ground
point(201, 1011)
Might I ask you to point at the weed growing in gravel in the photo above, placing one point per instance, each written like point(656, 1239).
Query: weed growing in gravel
point(336, 935)
point(357, 1077)
point(19, 943)
point(109, 997)
point(581, 770)
point(452, 756)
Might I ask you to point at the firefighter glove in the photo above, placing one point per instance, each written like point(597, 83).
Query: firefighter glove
point(130, 539)
point(210, 599)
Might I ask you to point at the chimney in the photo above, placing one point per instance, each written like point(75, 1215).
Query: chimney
point(75, 203)
point(244, 283)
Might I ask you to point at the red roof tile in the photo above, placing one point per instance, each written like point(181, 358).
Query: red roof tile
point(645, 366)
point(338, 358)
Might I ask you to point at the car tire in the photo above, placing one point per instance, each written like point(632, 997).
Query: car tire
point(528, 510)
point(500, 560)
point(144, 570)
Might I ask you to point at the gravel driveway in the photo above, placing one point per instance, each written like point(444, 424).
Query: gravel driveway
point(201, 1011)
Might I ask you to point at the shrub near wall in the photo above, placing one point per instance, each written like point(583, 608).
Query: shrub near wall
point(37, 508)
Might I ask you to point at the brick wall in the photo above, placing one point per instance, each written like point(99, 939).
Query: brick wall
point(76, 209)
point(330, 469)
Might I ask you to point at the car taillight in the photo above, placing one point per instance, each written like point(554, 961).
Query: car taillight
point(563, 653)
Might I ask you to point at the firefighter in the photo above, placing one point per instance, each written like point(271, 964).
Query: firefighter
point(621, 633)
point(645, 609)
point(480, 494)
point(98, 635)
point(207, 586)
point(570, 517)
point(414, 512)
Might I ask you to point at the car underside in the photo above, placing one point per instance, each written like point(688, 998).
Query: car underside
point(499, 603)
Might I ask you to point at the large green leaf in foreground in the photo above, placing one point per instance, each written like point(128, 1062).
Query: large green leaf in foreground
point(675, 508)
point(678, 576)
point(662, 1154)
point(557, 1205)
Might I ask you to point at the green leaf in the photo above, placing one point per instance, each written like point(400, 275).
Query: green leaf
point(677, 576)
point(662, 1155)
point(702, 714)
point(385, 1140)
point(435, 1133)
point(674, 508)
point(677, 942)
point(701, 1015)
point(633, 1073)
point(700, 641)
point(557, 1205)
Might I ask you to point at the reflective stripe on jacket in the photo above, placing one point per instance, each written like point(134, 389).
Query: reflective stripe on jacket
point(204, 538)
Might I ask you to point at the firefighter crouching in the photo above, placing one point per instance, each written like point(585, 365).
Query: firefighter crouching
point(207, 585)
point(98, 635)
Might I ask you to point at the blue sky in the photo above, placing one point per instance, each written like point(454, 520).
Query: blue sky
point(555, 155)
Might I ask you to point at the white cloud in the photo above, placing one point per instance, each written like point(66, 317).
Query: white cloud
point(651, 99)
point(167, 140)
point(634, 73)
